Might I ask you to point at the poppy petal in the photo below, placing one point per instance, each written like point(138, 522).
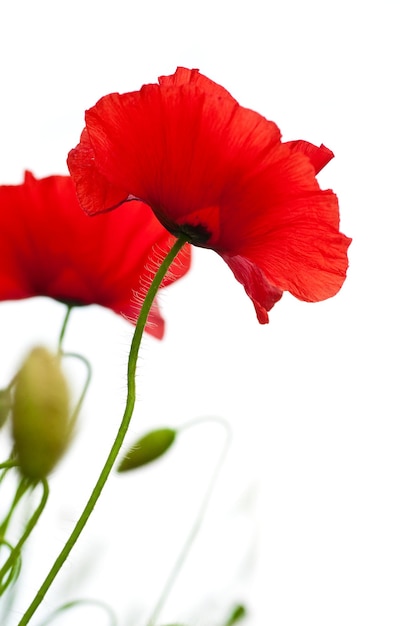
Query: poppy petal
point(262, 293)
point(139, 144)
point(49, 247)
point(218, 174)
point(319, 156)
point(306, 257)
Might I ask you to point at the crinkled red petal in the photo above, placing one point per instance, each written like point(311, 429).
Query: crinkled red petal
point(301, 252)
point(219, 173)
point(177, 148)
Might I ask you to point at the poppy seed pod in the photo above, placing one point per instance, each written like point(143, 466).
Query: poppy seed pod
point(41, 424)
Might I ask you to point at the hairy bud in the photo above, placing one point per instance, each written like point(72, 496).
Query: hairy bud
point(147, 449)
point(41, 424)
point(5, 405)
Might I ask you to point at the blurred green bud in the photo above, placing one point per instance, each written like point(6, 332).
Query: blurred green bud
point(5, 405)
point(148, 449)
point(238, 613)
point(41, 425)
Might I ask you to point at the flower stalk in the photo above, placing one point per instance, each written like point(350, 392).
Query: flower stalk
point(68, 312)
point(125, 422)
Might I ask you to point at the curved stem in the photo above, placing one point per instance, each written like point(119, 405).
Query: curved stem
point(204, 419)
point(74, 603)
point(7, 602)
point(87, 364)
point(20, 491)
point(128, 412)
point(199, 518)
point(29, 527)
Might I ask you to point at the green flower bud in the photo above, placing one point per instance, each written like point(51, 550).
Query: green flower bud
point(5, 405)
point(237, 614)
point(41, 425)
point(147, 449)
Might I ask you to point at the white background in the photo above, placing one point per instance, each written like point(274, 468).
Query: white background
point(314, 519)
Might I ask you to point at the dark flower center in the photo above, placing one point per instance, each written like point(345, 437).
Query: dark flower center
point(70, 302)
point(197, 234)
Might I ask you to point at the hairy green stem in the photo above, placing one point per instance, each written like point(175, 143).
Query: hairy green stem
point(128, 412)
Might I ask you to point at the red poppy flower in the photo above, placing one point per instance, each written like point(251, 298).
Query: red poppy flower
point(49, 247)
point(219, 174)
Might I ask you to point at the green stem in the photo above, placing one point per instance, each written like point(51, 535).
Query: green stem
point(20, 491)
point(29, 527)
point(128, 412)
point(14, 572)
point(6, 465)
point(68, 312)
point(75, 603)
point(87, 364)
point(199, 518)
